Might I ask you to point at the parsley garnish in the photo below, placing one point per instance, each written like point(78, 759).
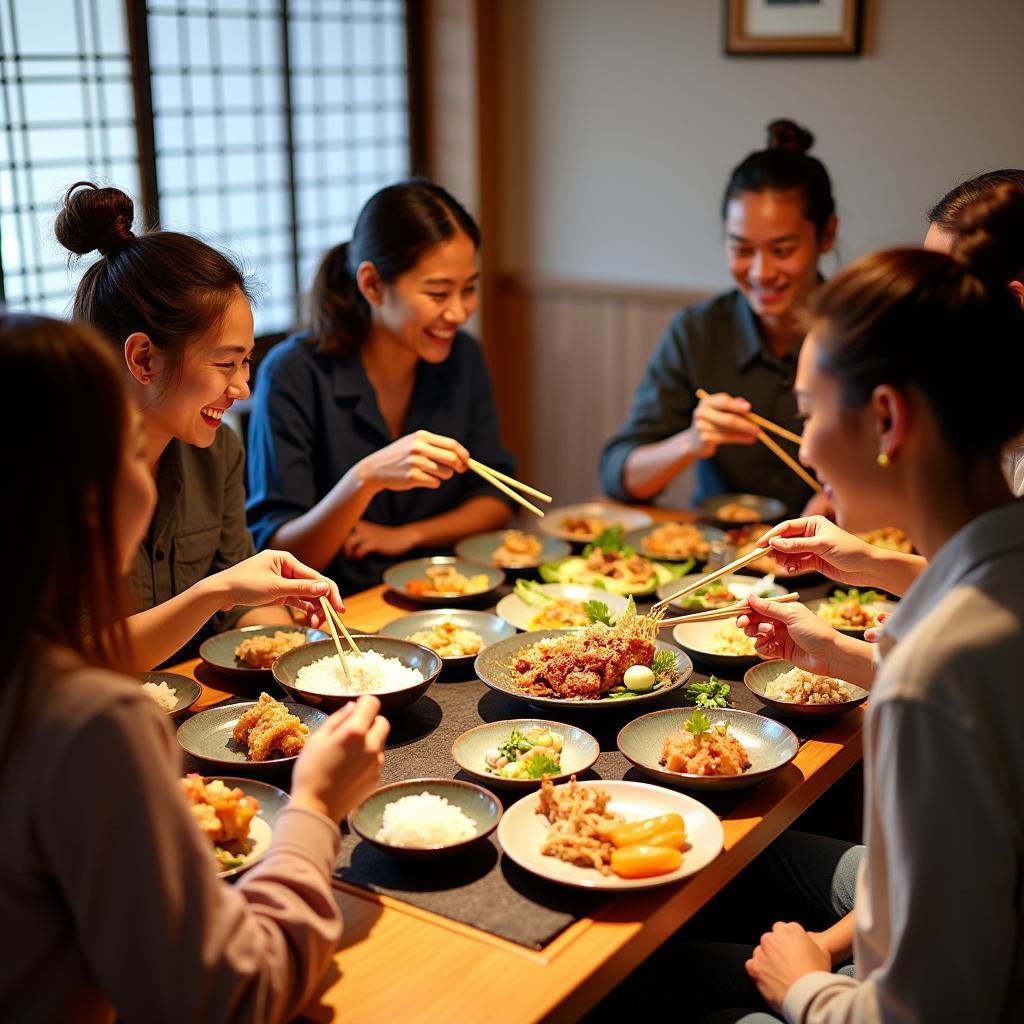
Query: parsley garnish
point(853, 594)
point(540, 765)
point(598, 611)
point(664, 661)
point(697, 724)
point(712, 694)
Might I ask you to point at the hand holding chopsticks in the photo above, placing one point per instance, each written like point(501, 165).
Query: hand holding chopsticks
point(774, 446)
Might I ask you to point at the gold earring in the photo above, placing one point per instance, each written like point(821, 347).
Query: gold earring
point(882, 460)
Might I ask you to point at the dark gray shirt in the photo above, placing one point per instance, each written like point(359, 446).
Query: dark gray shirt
point(714, 345)
point(198, 527)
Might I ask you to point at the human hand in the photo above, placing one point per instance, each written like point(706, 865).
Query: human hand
point(275, 578)
point(718, 420)
point(340, 764)
point(420, 459)
point(367, 538)
point(792, 632)
point(816, 544)
point(785, 955)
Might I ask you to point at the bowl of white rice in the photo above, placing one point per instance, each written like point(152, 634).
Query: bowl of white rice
point(793, 691)
point(426, 818)
point(397, 672)
point(720, 646)
point(174, 694)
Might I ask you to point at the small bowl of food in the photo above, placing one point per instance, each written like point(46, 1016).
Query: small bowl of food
point(718, 748)
point(720, 593)
point(397, 672)
point(522, 752)
point(511, 550)
point(852, 611)
point(457, 635)
point(423, 819)
point(793, 691)
point(584, 523)
point(720, 645)
point(678, 542)
point(237, 816)
point(174, 694)
point(443, 580)
point(249, 652)
point(729, 510)
point(533, 605)
point(256, 737)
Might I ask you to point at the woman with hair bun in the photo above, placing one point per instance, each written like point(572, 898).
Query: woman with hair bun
point(779, 218)
point(362, 426)
point(905, 423)
point(177, 313)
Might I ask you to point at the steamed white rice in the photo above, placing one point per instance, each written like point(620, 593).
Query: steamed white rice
point(162, 694)
point(424, 820)
point(369, 672)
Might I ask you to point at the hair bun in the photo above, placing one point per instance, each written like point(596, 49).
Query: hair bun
point(94, 218)
point(783, 134)
point(988, 237)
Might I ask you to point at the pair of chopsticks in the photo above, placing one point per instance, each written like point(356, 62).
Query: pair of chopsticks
point(715, 574)
point(332, 616)
point(493, 477)
point(774, 446)
point(729, 612)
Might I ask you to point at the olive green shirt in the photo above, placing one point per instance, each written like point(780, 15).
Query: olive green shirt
point(198, 527)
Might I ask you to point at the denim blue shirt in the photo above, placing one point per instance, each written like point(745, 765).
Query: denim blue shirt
point(714, 345)
point(316, 415)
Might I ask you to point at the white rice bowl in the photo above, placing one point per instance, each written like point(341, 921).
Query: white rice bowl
point(368, 672)
point(423, 821)
point(163, 694)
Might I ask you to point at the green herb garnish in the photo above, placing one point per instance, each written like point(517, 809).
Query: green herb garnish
point(540, 765)
point(712, 694)
point(610, 541)
point(514, 744)
point(664, 661)
point(598, 611)
point(697, 724)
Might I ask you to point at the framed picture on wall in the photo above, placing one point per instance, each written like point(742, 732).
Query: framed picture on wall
point(792, 26)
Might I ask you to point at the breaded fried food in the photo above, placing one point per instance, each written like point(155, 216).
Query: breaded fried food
point(222, 814)
point(580, 822)
point(261, 651)
point(269, 726)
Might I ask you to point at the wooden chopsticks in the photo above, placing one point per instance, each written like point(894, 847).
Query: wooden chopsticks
point(333, 617)
point(729, 612)
point(495, 479)
point(774, 446)
point(715, 574)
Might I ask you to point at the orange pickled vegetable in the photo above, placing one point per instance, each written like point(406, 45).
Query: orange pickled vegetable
point(676, 839)
point(641, 831)
point(645, 861)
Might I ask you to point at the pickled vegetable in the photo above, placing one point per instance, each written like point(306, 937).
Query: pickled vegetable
point(645, 861)
point(642, 831)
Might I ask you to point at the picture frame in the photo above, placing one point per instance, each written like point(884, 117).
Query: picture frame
point(793, 27)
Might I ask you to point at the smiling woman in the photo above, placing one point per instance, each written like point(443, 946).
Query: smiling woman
point(178, 311)
point(362, 427)
point(779, 220)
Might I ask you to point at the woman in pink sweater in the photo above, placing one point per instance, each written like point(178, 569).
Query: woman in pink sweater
point(109, 888)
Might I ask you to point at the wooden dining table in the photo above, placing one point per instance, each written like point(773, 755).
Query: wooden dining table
point(397, 962)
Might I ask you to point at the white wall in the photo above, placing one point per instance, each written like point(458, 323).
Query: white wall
point(621, 120)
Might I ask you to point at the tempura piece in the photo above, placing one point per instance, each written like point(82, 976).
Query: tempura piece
point(518, 550)
point(222, 814)
point(261, 651)
point(269, 726)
